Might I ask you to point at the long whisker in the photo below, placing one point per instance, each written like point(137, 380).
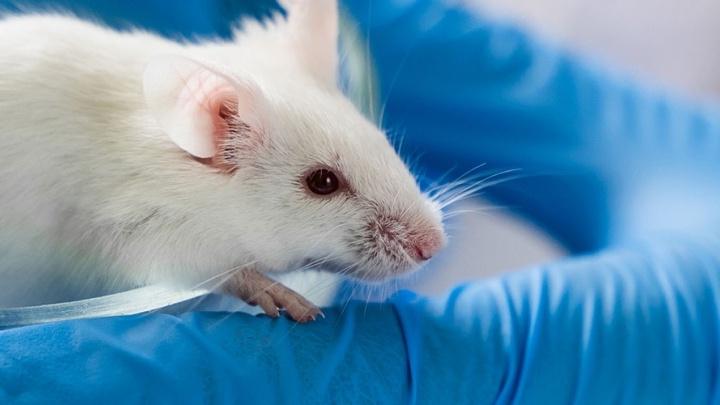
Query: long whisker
point(472, 191)
point(465, 177)
point(458, 193)
point(465, 181)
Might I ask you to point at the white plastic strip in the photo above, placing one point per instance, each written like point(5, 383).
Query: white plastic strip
point(131, 302)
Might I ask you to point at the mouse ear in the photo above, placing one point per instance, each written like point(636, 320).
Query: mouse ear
point(198, 107)
point(313, 26)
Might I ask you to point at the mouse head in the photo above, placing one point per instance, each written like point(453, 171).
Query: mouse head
point(311, 178)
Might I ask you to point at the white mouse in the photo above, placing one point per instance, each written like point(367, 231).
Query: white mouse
point(129, 159)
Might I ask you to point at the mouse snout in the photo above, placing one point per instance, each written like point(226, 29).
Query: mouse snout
point(426, 245)
point(395, 244)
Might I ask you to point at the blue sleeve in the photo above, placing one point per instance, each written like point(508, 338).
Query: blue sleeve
point(465, 90)
point(632, 325)
point(186, 20)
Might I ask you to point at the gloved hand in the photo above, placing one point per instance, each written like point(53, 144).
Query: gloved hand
point(632, 325)
point(618, 171)
point(602, 154)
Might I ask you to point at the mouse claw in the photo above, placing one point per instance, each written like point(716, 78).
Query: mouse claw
point(266, 302)
point(302, 314)
point(255, 287)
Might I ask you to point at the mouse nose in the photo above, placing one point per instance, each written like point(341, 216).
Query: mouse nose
point(427, 245)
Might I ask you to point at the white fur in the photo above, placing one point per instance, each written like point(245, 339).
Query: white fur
point(95, 197)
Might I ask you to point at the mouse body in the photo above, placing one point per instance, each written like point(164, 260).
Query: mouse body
point(129, 159)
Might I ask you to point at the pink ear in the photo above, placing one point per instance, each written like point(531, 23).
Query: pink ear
point(197, 107)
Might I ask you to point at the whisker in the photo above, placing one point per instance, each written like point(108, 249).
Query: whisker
point(461, 179)
point(468, 190)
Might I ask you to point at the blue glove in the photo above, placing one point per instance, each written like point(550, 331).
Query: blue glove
point(633, 325)
point(468, 91)
point(192, 19)
point(616, 167)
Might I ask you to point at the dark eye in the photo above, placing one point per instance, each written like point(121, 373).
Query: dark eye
point(322, 182)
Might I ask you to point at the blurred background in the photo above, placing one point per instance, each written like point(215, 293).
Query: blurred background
point(663, 43)
point(668, 42)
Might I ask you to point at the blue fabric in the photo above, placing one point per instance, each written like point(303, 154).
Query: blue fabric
point(465, 90)
point(624, 175)
point(187, 20)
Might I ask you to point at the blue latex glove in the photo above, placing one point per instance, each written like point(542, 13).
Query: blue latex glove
point(633, 325)
point(624, 169)
point(466, 91)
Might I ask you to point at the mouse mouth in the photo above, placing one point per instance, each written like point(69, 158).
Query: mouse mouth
point(385, 247)
point(390, 247)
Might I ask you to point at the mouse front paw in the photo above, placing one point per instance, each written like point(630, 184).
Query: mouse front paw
point(256, 288)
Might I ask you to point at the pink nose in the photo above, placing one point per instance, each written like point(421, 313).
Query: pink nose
point(427, 245)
